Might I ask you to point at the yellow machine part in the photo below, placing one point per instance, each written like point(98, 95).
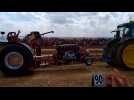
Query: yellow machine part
point(128, 56)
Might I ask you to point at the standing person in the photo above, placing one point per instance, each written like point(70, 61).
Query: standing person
point(38, 49)
point(38, 43)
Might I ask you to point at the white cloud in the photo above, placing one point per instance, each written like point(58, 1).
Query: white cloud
point(85, 24)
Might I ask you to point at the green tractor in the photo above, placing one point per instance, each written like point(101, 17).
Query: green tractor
point(120, 50)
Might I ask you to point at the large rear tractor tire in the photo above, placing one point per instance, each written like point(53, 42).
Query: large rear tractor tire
point(125, 55)
point(110, 51)
point(16, 59)
point(111, 54)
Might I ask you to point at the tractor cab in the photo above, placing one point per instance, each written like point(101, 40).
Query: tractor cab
point(124, 31)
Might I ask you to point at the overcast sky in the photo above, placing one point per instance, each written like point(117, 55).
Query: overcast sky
point(65, 24)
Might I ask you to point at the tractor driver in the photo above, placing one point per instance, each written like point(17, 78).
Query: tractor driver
point(37, 43)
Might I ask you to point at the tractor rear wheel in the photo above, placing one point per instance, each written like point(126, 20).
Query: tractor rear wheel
point(16, 59)
point(125, 54)
point(110, 51)
point(111, 54)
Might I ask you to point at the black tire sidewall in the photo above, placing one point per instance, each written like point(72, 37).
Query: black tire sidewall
point(27, 57)
point(111, 50)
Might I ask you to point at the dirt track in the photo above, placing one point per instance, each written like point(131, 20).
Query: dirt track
point(61, 76)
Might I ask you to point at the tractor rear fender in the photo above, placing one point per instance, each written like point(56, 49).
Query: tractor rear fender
point(125, 40)
point(27, 46)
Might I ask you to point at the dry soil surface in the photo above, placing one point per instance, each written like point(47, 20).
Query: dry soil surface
point(77, 75)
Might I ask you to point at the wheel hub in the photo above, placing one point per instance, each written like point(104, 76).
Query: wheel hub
point(14, 60)
point(128, 56)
